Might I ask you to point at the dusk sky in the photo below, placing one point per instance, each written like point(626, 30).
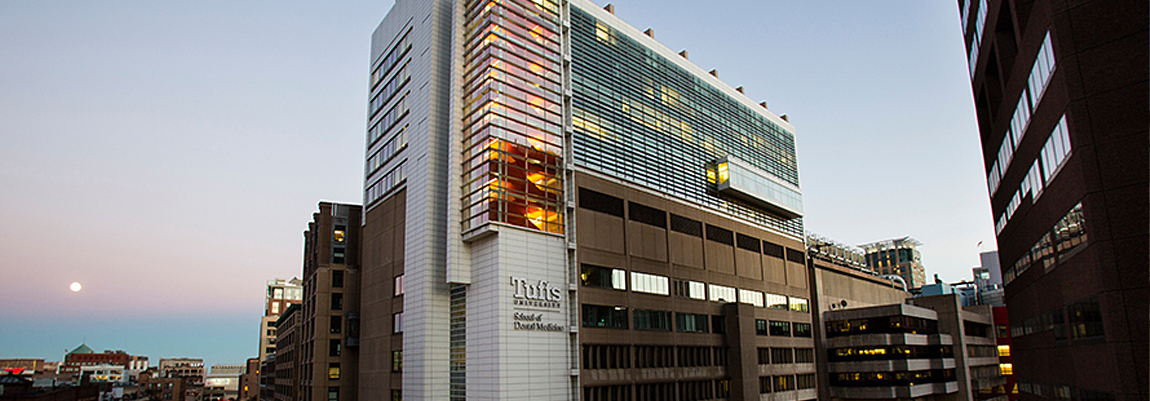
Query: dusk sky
point(168, 155)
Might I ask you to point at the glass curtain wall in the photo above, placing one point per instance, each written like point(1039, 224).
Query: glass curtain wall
point(513, 114)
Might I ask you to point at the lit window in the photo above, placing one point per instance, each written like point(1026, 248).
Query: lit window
point(398, 285)
point(397, 361)
point(649, 283)
point(1006, 368)
point(333, 371)
point(339, 237)
point(1004, 350)
point(722, 293)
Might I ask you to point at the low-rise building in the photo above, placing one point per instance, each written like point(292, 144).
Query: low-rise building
point(933, 349)
point(155, 388)
point(190, 369)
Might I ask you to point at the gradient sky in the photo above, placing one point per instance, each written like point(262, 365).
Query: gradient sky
point(168, 155)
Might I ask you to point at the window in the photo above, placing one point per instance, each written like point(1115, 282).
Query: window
point(719, 324)
point(691, 323)
point(721, 293)
point(333, 347)
point(600, 202)
point(337, 278)
point(652, 320)
point(802, 330)
point(1006, 368)
point(804, 355)
point(397, 361)
point(800, 305)
point(690, 289)
point(647, 215)
point(1085, 319)
point(336, 301)
point(748, 242)
point(333, 371)
point(772, 249)
point(396, 323)
point(720, 235)
point(278, 293)
point(805, 381)
point(337, 255)
point(795, 255)
point(1004, 350)
point(782, 356)
point(336, 324)
point(687, 226)
point(398, 285)
point(606, 356)
point(782, 329)
point(338, 236)
point(751, 297)
point(764, 384)
point(776, 301)
point(604, 316)
point(761, 327)
point(649, 283)
point(333, 393)
point(784, 383)
point(603, 277)
point(396, 395)
point(275, 308)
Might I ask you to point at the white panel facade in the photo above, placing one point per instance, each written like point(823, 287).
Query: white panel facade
point(517, 317)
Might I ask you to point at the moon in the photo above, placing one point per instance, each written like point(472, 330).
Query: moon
point(75, 287)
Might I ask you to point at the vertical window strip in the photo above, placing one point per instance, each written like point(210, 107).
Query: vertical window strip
point(1043, 69)
point(1055, 152)
point(965, 14)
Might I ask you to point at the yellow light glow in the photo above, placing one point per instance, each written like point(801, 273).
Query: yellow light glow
point(723, 173)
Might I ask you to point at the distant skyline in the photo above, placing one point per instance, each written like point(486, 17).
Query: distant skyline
point(168, 156)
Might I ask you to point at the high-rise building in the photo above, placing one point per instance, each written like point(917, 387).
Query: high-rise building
point(1060, 93)
point(281, 381)
point(988, 280)
point(327, 324)
point(557, 206)
point(897, 257)
point(281, 294)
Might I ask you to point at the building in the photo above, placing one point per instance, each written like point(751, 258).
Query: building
point(281, 293)
point(222, 383)
point(280, 381)
point(250, 380)
point(988, 279)
point(106, 373)
point(898, 257)
point(155, 388)
point(18, 388)
point(189, 369)
point(1060, 94)
point(136, 365)
point(328, 320)
point(1005, 358)
point(842, 280)
point(544, 182)
point(85, 356)
point(21, 366)
point(933, 349)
